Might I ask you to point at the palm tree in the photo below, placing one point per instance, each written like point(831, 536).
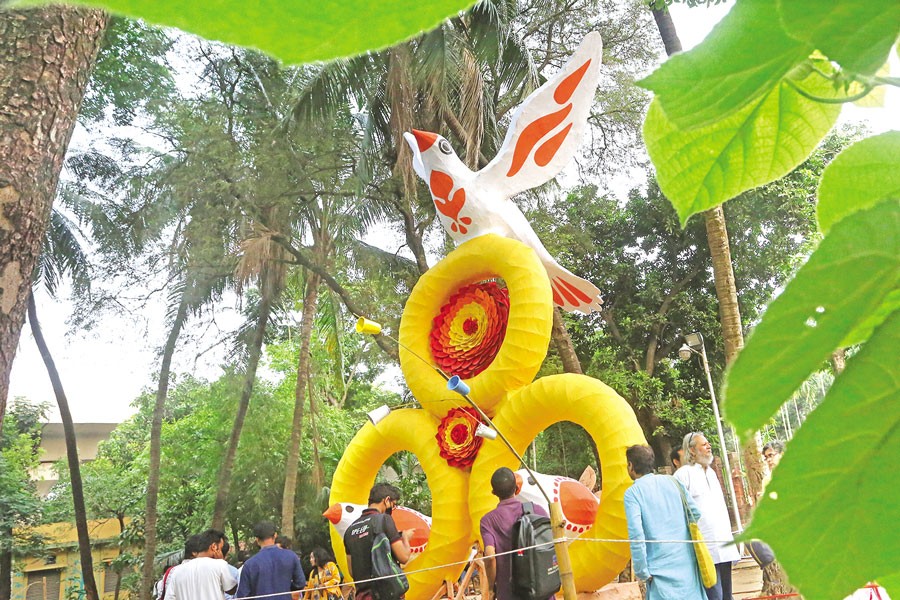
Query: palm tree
point(265, 260)
point(62, 255)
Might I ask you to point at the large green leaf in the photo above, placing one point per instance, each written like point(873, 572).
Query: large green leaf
point(858, 34)
point(701, 168)
point(294, 32)
point(861, 176)
point(831, 514)
point(742, 59)
point(845, 280)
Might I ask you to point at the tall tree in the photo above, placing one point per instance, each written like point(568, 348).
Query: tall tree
point(264, 259)
point(729, 312)
point(81, 525)
point(63, 256)
point(723, 270)
point(47, 58)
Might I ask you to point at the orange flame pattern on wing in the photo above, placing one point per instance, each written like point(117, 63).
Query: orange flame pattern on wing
point(441, 185)
point(535, 131)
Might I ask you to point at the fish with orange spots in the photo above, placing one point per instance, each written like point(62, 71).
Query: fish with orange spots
point(579, 505)
point(343, 514)
point(543, 136)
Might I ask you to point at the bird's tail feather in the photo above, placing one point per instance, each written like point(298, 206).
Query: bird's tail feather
point(571, 293)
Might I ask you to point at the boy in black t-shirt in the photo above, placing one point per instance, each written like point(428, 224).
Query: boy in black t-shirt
point(358, 538)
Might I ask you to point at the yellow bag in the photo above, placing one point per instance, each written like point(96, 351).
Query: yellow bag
point(704, 559)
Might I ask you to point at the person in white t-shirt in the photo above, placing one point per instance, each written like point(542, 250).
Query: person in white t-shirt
point(206, 577)
point(700, 480)
point(190, 551)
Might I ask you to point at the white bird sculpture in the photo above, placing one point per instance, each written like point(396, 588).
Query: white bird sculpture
point(543, 135)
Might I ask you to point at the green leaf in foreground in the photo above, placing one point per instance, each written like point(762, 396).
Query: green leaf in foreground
point(845, 280)
point(862, 331)
point(858, 34)
point(698, 169)
point(861, 176)
point(831, 513)
point(294, 32)
point(743, 57)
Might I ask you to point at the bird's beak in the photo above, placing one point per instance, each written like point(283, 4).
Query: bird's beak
point(424, 139)
point(334, 513)
point(413, 144)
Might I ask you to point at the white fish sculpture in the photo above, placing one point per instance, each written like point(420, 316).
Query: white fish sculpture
point(343, 514)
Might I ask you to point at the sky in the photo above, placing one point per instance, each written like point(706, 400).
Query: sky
point(104, 369)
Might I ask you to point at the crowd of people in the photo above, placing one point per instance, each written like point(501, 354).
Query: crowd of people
point(275, 571)
point(659, 508)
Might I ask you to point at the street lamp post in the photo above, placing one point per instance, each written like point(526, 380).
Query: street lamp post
point(694, 345)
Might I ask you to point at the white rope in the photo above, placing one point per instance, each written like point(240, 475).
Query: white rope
point(467, 561)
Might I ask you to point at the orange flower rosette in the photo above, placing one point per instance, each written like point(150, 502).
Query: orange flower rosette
point(468, 331)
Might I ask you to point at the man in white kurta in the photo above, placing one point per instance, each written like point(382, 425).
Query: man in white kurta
point(701, 482)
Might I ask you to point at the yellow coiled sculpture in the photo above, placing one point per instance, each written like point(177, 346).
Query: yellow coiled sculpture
point(485, 313)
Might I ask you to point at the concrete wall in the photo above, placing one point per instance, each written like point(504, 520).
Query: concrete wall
point(34, 577)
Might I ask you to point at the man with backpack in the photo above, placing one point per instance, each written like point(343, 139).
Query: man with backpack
point(506, 528)
point(375, 548)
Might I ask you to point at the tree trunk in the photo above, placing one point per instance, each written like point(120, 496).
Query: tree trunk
point(666, 28)
point(81, 526)
point(839, 360)
point(723, 275)
point(563, 342)
point(118, 590)
point(162, 391)
point(6, 568)
point(224, 485)
point(47, 55)
point(293, 458)
point(732, 334)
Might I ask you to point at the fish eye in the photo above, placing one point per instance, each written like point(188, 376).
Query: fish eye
point(444, 147)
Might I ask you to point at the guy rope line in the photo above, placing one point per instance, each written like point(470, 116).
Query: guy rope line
point(466, 562)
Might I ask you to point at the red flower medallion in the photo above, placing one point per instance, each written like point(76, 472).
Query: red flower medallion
point(456, 437)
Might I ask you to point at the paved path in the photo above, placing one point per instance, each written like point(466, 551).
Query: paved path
point(746, 579)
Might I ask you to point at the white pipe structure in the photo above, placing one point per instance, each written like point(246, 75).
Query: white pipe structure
point(693, 348)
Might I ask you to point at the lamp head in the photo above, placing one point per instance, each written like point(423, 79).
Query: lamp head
point(684, 353)
point(694, 340)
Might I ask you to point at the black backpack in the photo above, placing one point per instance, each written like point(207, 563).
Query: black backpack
point(384, 565)
point(535, 572)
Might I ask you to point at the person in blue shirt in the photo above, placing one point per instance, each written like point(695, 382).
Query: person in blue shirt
point(655, 511)
point(272, 570)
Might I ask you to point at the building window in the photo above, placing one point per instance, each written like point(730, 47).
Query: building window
point(110, 579)
point(42, 585)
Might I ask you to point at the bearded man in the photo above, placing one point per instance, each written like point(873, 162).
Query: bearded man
point(701, 482)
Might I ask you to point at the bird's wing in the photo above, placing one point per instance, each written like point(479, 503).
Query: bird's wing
point(547, 128)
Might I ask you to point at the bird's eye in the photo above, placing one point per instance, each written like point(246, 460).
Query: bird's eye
point(350, 509)
point(444, 146)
